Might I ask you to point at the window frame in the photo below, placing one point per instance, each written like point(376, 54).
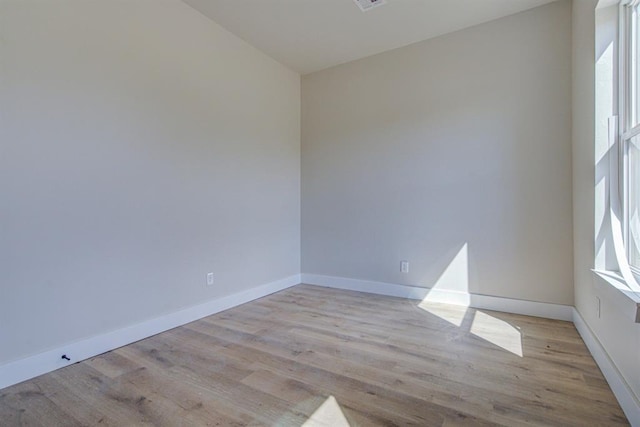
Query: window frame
point(628, 112)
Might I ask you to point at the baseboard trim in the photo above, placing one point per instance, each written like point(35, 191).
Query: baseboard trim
point(486, 302)
point(33, 366)
point(626, 398)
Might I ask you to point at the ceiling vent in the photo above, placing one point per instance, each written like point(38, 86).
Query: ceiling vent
point(365, 5)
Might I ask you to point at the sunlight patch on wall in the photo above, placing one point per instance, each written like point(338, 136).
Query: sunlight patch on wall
point(328, 414)
point(454, 280)
point(604, 110)
point(497, 332)
point(450, 300)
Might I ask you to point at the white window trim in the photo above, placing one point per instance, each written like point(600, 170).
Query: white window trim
point(620, 132)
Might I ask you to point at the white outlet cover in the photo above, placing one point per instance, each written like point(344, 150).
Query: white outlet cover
point(404, 266)
point(210, 279)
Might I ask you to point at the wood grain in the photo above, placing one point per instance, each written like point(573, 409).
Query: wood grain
point(280, 359)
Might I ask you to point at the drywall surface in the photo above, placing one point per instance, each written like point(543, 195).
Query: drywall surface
point(142, 146)
point(453, 154)
point(593, 61)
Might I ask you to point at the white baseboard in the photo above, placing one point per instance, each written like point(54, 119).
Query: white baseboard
point(507, 305)
point(627, 399)
point(30, 367)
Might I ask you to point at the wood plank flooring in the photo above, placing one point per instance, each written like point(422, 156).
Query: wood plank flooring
point(317, 356)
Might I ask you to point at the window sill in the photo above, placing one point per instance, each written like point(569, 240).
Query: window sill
point(614, 284)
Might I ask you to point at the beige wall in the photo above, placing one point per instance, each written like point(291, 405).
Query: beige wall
point(462, 139)
point(141, 147)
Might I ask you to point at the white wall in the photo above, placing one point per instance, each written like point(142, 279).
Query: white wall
point(615, 329)
point(141, 147)
point(462, 139)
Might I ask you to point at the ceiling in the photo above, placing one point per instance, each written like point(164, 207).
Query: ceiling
point(310, 35)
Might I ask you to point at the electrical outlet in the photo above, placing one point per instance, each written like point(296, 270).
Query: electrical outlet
point(404, 266)
point(598, 307)
point(209, 279)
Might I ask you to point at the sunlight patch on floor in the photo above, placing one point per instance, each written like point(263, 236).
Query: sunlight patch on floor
point(497, 332)
point(328, 414)
point(453, 314)
point(450, 300)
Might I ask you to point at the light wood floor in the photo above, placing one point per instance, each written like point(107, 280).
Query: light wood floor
point(329, 357)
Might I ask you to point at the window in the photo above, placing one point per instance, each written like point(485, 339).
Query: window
point(629, 127)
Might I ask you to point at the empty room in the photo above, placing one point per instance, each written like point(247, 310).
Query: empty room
point(319, 212)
